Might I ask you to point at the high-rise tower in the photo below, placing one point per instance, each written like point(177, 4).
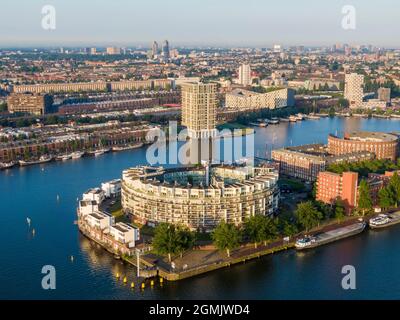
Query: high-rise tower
point(199, 115)
point(154, 49)
point(244, 75)
point(165, 49)
point(353, 89)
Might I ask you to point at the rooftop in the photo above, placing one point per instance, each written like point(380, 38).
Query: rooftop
point(368, 136)
point(196, 176)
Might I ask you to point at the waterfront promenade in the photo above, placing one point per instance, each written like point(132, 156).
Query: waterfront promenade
point(207, 258)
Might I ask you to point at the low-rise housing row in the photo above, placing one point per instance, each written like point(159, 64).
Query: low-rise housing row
point(100, 226)
point(240, 99)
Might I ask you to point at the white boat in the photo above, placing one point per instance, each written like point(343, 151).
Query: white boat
point(64, 157)
point(292, 119)
point(101, 151)
point(7, 165)
point(313, 117)
point(274, 121)
point(385, 220)
point(77, 154)
point(305, 242)
point(42, 159)
point(380, 220)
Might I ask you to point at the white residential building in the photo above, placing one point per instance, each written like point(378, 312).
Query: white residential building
point(244, 75)
point(124, 233)
point(111, 188)
point(95, 194)
point(87, 207)
point(99, 220)
point(373, 104)
point(182, 80)
point(353, 89)
point(239, 99)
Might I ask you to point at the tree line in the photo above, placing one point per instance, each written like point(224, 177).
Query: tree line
point(173, 240)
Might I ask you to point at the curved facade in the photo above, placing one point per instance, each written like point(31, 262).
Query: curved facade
point(199, 197)
point(383, 145)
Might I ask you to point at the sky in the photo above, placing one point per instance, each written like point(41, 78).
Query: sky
point(258, 23)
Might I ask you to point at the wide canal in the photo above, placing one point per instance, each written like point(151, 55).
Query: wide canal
point(48, 195)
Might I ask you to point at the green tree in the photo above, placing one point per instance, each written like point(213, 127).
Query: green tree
point(288, 229)
point(226, 236)
point(394, 184)
point(343, 103)
point(166, 240)
point(307, 215)
point(339, 210)
point(271, 229)
point(186, 240)
point(260, 228)
point(364, 198)
point(386, 198)
point(254, 229)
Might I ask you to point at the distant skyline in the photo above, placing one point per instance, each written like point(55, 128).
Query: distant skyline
point(224, 23)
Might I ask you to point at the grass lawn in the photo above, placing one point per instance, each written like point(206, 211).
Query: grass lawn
point(116, 211)
point(236, 128)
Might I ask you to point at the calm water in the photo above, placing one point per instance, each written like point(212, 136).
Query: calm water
point(32, 192)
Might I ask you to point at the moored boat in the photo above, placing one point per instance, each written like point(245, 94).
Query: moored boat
point(98, 152)
point(77, 154)
point(384, 220)
point(313, 117)
point(128, 147)
point(7, 165)
point(314, 241)
point(63, 157)
point(101, 151)
point(274, 121)
point(42, 159)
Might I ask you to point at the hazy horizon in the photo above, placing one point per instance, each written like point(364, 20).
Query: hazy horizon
point(222, 23)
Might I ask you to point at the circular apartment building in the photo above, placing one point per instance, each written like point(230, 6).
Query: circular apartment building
point(383, 145)
point(199, 197)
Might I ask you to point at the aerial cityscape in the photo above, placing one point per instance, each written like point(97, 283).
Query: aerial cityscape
point(189, 165)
